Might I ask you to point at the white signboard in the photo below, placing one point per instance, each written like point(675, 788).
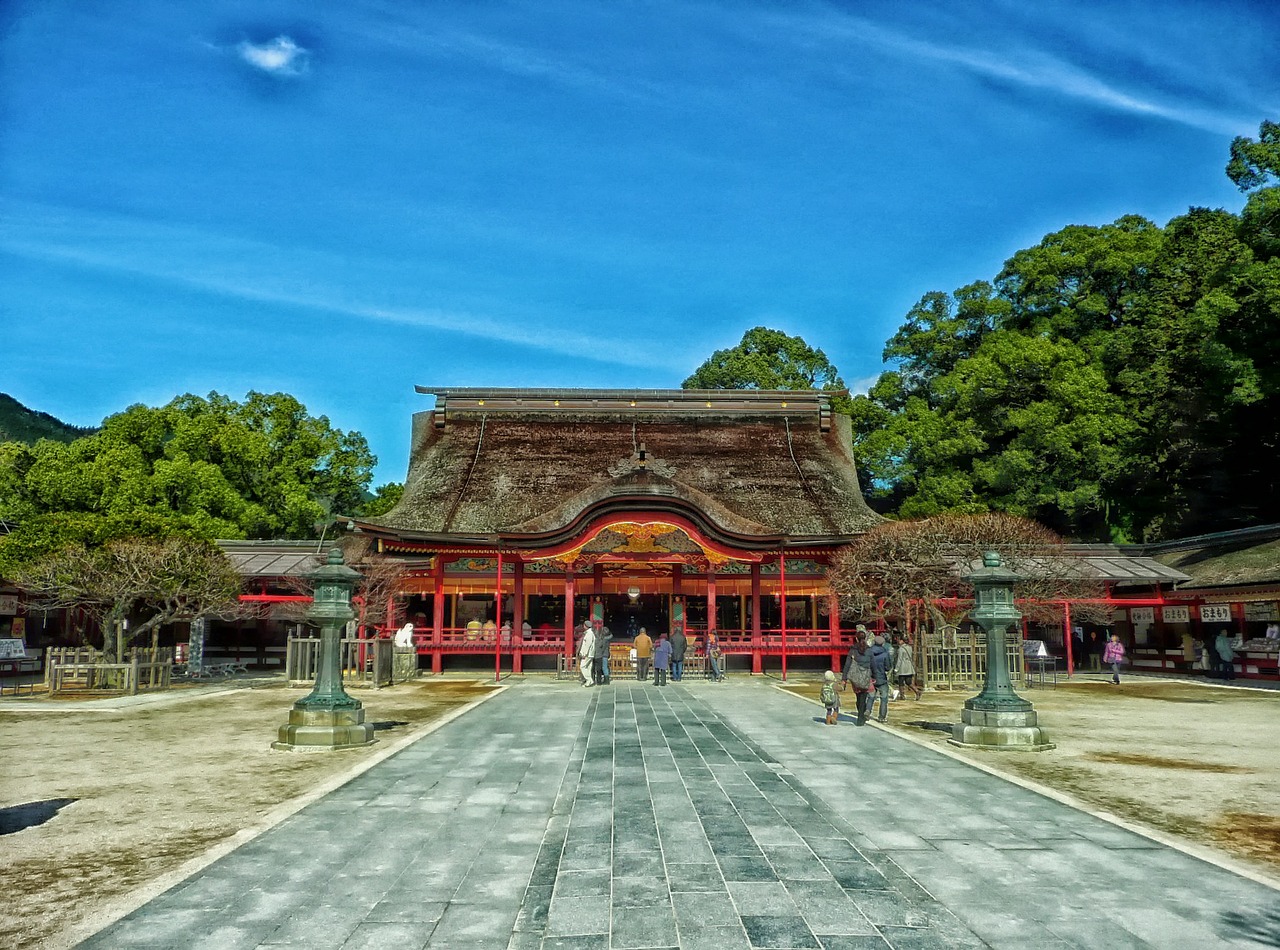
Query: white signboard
point(1215, 613)
point(1139, 615)
point(1263, 610)
point(1176, 614)
point(11, 649)
point(8, 604)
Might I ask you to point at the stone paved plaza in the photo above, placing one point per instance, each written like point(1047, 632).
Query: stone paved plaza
point(697, 815)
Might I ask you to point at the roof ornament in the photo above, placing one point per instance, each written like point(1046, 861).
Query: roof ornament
point(641, 460)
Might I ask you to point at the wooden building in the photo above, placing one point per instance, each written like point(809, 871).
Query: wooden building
point(527, 511)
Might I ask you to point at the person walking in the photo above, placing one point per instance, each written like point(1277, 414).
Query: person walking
point(880, 660)
point(714, 658)
point(661, 660)
point(603, 639)
point(1226, 654)
point(587, 654)
point(1113, 656)
point(904, 665)
point(678, 647)
point(857, 673)
point(644, 653)
point(1095, 648)
point(830, 698)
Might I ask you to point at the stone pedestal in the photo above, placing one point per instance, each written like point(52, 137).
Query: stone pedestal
point(324, 730)
point(1000, 730)
point(404, 664)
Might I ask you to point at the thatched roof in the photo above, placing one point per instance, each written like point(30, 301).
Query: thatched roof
point(756, 464)
point(1241, 558)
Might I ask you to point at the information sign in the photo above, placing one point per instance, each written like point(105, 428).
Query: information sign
point(12, 648)
point(1176, 614)
point(1139, 615)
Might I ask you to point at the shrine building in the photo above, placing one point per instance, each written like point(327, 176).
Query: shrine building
point(535, 509)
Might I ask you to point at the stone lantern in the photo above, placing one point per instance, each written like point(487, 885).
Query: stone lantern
point(328, 719)
point(997, 718)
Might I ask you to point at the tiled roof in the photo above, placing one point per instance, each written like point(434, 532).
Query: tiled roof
point(273, 558)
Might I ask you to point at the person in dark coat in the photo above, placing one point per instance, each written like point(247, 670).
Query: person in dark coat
point(857, 672)
point(880, 660)
point(603, 639)
point(661, 660)
point(678, 647)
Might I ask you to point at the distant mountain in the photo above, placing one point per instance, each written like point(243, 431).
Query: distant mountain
point(20, 424)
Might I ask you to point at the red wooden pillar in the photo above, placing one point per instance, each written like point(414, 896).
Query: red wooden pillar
point(711, 601)
point(497, 619)
point(597, 581)
point(833, 628)
point(437, 617)
point(517, 620)
point(568, 615)
point(1066, 629)
point(782, 584)
point(757, 661)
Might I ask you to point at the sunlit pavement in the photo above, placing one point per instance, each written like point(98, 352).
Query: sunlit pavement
point(695, 815)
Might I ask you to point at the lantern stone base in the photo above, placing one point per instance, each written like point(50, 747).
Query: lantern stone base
point(1005, 731)
point(324, 730)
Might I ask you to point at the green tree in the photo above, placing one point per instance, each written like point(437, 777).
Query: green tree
point(385, 497)
point(767, 359)
point(1255, 163)
point(200, 466)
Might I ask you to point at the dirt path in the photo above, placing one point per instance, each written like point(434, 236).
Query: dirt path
point(1193, 761)
point(147, 788)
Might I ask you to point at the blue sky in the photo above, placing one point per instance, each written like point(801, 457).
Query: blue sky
point(342, 200)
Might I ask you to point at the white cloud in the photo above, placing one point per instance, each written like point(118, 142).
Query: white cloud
point(279, 57)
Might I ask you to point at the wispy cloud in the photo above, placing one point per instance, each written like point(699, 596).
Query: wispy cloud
point(1028, 68)
point(520, 60)
point(278, 57)
point(257, 272)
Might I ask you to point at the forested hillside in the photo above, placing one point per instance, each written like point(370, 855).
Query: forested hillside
point(20, 424)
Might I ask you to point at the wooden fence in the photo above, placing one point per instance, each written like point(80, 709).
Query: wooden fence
point(83, 669)
point(364, 663)
point(958, 660)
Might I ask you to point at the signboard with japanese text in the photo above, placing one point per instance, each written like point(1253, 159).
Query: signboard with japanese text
point(1142, 615)
point(8, 604)
point(11, 648)
point(1215, 613)
point(1175, 614)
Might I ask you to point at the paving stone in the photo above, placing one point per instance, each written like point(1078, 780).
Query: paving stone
point(639, 891)
point(739, 868)
point(696, 911)
point(636, 817)
point(695, 877)
point(652, 926)
point(774, 931)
